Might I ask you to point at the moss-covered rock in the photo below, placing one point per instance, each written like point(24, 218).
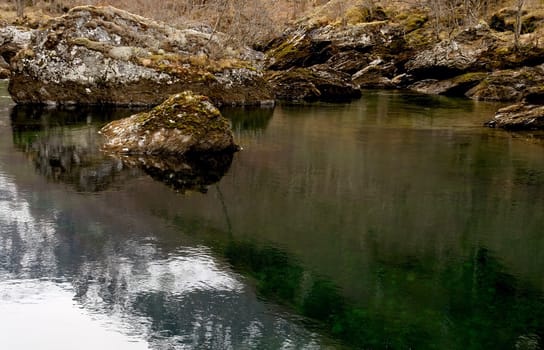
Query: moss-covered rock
point(505, 19)
point(185, 123)
point(298, 50)
point(466, 52)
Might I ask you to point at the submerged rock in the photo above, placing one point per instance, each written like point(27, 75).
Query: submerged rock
point(103, 55)
point(519, 116)
point(184, 124)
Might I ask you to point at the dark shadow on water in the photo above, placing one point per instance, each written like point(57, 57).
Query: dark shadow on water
point(64, 146)
point(248, 119)
point(410, 98)
point(26, 117)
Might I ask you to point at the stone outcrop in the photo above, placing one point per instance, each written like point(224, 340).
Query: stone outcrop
point(508, 85)
point(457, 86)
point(306, 55)
point(313, 84)
point(521, 116)
point(103, 55)
point(466, 52)
point(405, 51)
point(184, 124)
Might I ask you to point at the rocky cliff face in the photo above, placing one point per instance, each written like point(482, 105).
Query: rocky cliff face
point(103, 55)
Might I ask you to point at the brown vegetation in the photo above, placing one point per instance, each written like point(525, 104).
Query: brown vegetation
point(245, 21)
point(256, 21)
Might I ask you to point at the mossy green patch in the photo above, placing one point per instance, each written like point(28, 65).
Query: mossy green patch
point(413, 21)
point(191, 114)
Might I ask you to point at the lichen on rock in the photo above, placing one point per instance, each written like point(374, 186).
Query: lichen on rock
point(185, 123)
point(104, 55)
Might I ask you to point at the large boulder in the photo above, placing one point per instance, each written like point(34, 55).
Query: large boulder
point(103, 55)
point(184, 124)
point(346, 48)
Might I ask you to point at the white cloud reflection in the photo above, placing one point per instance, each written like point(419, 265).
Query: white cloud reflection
point(128, 294)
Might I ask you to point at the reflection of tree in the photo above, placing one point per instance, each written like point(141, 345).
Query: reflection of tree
point(482, 307)
point(65, 146)
point(248, 119)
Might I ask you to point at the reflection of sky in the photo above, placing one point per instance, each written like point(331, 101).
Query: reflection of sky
point(132, 296)
point(42, 315)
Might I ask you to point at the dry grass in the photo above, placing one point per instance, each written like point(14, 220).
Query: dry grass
point(245, 21)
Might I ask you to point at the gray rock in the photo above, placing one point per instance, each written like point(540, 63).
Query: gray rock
point(377, 74)
point(448, 58)
point(103, 55)
point(12, 40)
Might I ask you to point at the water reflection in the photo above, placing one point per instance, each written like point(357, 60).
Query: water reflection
point(192, 173)
point(249, 119)
point(475, 293)
point(65, 147)
point(133, 291)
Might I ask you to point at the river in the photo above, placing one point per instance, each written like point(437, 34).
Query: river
point(393, 222)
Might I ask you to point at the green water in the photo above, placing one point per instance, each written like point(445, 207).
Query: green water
point(393, 222)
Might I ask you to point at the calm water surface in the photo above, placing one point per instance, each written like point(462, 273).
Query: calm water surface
point(393, 222)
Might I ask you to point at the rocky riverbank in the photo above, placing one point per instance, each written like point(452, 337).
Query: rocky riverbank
point(102, 55)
